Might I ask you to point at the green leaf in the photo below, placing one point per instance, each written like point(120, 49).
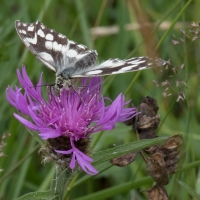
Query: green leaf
point(118, 189)
point(57, 189)
point(120, 150)
point(189, 189)
point(37, 195)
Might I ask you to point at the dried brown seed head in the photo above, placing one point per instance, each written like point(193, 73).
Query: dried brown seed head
point(124, 160)
point(158, 192)
point(156, 168)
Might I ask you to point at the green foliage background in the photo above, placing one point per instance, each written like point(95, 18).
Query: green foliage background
point(23, 171)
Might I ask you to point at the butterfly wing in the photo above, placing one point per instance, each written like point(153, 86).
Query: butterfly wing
point(53, 49)
point(69, 59)
point(117, 66)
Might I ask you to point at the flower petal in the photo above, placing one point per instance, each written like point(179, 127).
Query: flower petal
point(85, 165)
point(47, 133)
point(26, 123)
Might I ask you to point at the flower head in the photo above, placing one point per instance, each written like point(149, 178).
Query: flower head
point(67, 121)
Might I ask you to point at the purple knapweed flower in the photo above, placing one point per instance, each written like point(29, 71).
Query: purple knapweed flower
point(67, 120)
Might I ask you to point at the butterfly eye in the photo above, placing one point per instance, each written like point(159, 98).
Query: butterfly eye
point(59, 85)
point(59, 82)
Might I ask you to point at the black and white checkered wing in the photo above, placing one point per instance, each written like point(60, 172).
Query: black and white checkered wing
point(117, 66)
point(53, 49)
point(71, 60)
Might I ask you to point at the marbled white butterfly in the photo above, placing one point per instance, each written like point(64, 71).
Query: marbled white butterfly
point(70, 60)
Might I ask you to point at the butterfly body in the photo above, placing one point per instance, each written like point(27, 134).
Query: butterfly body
point(69, 59)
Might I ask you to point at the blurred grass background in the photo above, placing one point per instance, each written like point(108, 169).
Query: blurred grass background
point(116, 29)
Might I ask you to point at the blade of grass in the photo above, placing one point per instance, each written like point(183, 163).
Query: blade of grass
point(119, 189)
point(15, 166)
point(22, 173)
point(189, 189)
point(173, 23)
point(120, 150)
point(83, 22)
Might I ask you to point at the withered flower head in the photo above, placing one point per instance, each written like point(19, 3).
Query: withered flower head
point(157, 192)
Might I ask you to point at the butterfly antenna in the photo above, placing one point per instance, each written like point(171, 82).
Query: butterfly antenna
point(77, 93)
point(49, 86)
point(53, 84)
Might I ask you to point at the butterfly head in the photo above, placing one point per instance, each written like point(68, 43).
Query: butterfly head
point(62, 82)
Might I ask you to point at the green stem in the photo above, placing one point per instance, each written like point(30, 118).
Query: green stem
point(163, 121)
point(97, 139)
point(83, 23)
point(119, 189)
point(132, 82)
point(59, 182)
point(173, 23)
